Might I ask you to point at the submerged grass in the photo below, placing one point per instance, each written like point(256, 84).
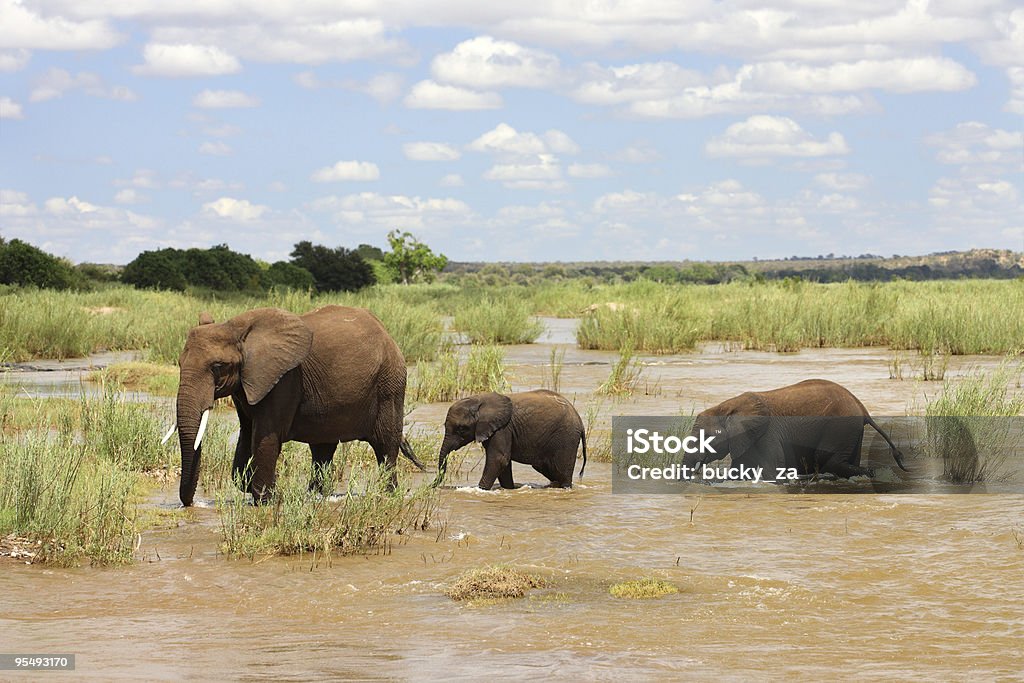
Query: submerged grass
point(642, 589)
point(625, 375)
point(492, 583)
point(365, 518)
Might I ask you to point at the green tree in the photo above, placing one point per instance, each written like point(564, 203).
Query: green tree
point(284, 274)
point(23, 264)
point(160, 269)
point(333, 270)
point(409, 258)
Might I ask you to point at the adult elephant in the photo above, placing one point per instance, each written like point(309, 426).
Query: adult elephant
point(331, 375)
point(814, 426)
point(538, 428)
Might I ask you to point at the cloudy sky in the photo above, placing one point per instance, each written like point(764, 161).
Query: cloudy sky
point(526, 131)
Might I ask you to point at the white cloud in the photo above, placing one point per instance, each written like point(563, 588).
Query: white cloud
point(22, 28)
point(224, 99)
point(638, 153)
point(540, 173)
point(505, 140)
point(347, 170)
point(218, 148)
point(452, 180)
point(634, 82)
point(371, 214)
point(186, 59)
point(55, 82)
point(289, 34)
point(486, 63)
point(1015, 105)
point(14, 203)
point(430, 151)
point(905, 75)
point(144, 178)
point(975, 143)
point(15, 60)
point(9, 109)
point(761, 137)
point(235, 209)
point(383, 87)
point(431, 95)
point(589, 171)
point(843, 182)
point(129, 196)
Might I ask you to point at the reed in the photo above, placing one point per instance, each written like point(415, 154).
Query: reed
point(502, 320)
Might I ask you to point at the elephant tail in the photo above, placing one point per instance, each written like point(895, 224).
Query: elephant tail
point(583, 440)
point(897, 455)
point(407, 452)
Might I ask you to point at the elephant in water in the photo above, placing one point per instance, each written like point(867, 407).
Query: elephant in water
point(814, 426)
point(538, 428)
point(331, 375)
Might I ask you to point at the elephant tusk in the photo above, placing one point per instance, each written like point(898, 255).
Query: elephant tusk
point(202, 429)
point(168, 434)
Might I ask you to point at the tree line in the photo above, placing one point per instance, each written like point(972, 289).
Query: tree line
point(310, 267)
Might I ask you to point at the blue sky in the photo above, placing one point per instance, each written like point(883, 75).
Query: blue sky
point(567, 130)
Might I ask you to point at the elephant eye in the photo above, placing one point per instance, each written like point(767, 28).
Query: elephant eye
point(218, 366)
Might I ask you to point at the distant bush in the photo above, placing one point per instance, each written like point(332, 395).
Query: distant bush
point(284, 274)
point(25, 265)
point(217, 268)
point(333, 270)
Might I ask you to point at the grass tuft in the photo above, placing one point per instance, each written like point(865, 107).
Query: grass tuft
point(642, 589)
point(493, 582)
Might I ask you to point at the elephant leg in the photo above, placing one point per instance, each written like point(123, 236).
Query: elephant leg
point(323, 455)
point(556, 479)
point(266, 450)
point(505, 477)
point(495, 463)
point(386, 451)
point(241, 467)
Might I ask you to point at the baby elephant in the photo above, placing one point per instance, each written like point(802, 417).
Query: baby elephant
point(812, 426)
point(538, 428)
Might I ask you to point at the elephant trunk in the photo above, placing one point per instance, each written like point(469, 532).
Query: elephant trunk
point(195, 399)
point(447, 446)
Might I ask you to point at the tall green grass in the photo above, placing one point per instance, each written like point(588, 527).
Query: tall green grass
point(500, 320)
point(955, 316)
point(365, 518)
point(968, 426)
point(451, 377)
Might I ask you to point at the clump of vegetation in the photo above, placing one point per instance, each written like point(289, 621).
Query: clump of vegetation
point(493, 582)
point(643, 589)
point(652, 327)
point(25, 265)
point(625, 375)
point(333, 270)
point(504, 320)
point(365, 518)
point(556, 363)
point(152, 378)
point(968, 426)
point(450, 378)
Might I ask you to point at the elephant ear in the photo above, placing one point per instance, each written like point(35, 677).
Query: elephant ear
point(494, 412)
point(747, 423)
point(273, 343)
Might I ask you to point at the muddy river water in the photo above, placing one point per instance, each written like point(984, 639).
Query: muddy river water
point(881, 587)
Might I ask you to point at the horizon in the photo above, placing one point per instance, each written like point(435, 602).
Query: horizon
point(531, 134)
